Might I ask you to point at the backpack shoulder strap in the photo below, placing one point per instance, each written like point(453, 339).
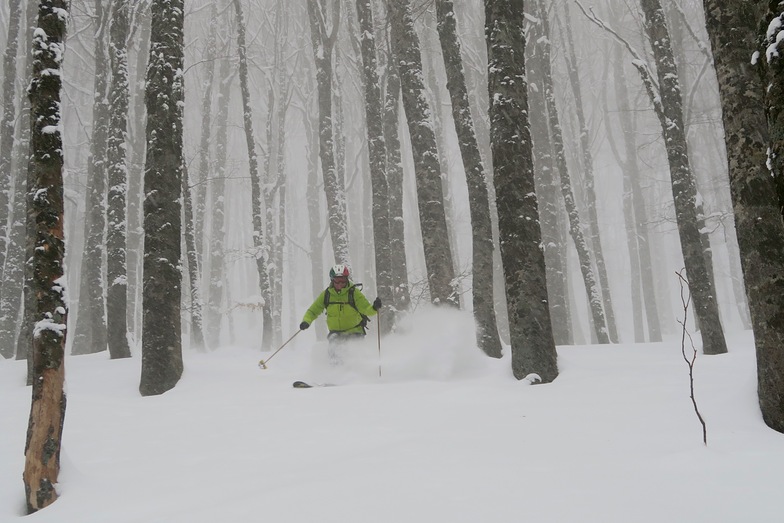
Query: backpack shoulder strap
point(326, 297)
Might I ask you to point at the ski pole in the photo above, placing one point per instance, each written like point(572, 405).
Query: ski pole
point(263, 363)
point(379, 343)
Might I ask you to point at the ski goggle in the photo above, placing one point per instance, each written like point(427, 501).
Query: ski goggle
point(340, 279)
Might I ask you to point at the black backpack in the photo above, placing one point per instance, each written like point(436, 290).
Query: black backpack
point(351, 302)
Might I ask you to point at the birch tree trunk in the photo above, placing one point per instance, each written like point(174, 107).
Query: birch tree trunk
point(90, 334)
point(377, 155)
point(533, 346)
point(430, 199)
point(7, 135)
point(161, 331)
point(47, 411)
point(116, 275)
point(575, 225)
point(256, 190)
point(732, 27)
point(684, 191)
point(479, 205)
point(334, 186)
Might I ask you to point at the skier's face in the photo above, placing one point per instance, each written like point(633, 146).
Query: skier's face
point(339, 282)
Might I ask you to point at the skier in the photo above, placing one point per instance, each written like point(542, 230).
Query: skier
point(347, 308)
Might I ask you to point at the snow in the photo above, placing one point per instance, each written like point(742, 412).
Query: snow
point(444, 435)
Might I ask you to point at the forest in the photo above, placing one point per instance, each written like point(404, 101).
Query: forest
point(180, 176)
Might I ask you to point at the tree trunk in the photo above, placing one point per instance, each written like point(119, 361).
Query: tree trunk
point(116, 275)
point(217, 187)
point(377, 154)
point(334, 186)
point(256, 190)
point(191, 255)
point(47, 412)
point(588, 179)
point(548, 196)
point(7, 136)
point(161, 332)
point(533, 346)
point(684, 191)
point(732, 27)
point(394, 168)
point(479, 206)
point(435, 235)
point(90, 334)
point(575, 226)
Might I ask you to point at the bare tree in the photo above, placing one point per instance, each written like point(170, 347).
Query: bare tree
point(116, 274)
point(430, 199)
point(377, 154)
point(323, 40)
point(533, 347)
point(479, 205)
point(47, 412)
point(732, 27)
point(161, 331)
point(7, 131)
point(256, 190)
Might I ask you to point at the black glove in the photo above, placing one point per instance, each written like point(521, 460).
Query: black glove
point(377, 303)
point(304, 325)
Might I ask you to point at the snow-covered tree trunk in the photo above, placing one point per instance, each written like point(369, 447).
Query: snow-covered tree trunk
point(116, 275)
point(323, 44)
point(430, 199)
point(136, 129)
point(575, 223)
point(732, 27)
point(90, 334)
point(161, 331)
point(217, 295)
point(479, 205)
point(202, 180)
point(27, 236)
point(394, 169)
point(548, 194)
point(684, 191)
point(256, 189)
point(136, 172)
point(10, 285)
point(588, 185)
point(377, 154)
point(191, 255)
point(47, 411)
point(7, 136)
point(533, 347)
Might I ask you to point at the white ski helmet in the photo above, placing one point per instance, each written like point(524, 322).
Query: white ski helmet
point(338, 270)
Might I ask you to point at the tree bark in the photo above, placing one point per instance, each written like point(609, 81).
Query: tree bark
point(161, 331)
point(90, 334)
point(377, 155)
point(732, 27)
point(256, 190)
point(479, 205)
point(116, 274)
point(684, 191)
point(47, 412)
point(334, 186)
point(7, 136)
point(533, 346)
point(430, 199)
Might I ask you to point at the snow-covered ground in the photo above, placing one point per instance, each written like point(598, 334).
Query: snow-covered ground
point(444, 435)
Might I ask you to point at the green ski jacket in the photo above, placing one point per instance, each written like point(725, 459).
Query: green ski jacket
point(341, 316)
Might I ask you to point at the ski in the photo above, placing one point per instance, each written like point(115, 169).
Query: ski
point(305, 385)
